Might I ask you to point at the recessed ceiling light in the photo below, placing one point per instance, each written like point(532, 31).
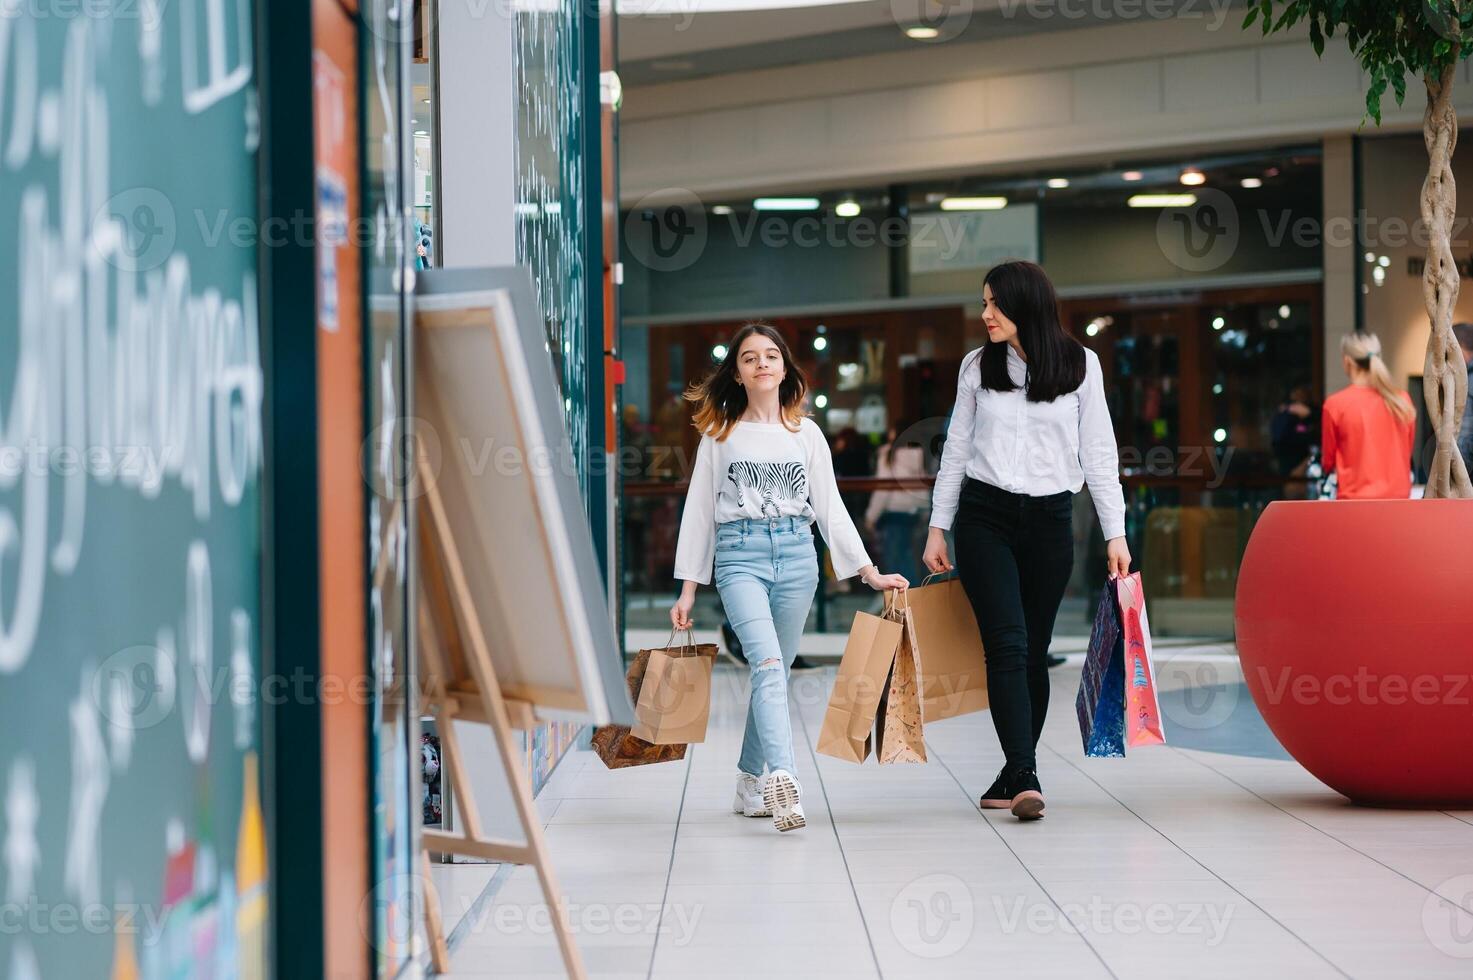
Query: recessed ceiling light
point(922, 33)
point(1132, 175)
point(974, 203)
point(847, 209)
point(1252, 182)
point(1218, 323)
point(1193, 177)
point(426, 101)
point(786, 204)
point(1284, 311)
point(721, 209)
point(420, 132)
point(1058, 183)
point(820, 343)
point(1162, 200)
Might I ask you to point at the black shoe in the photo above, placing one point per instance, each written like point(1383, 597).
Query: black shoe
point(1027, 802)
point(1055, 660)
point(800, 663)
point(731, 645)
point(998, 796)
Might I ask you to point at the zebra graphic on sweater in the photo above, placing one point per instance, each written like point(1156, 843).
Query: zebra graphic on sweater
point(770, 481)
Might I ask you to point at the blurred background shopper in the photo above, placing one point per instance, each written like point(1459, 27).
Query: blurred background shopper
point(1029, 429)
point(1368, 427)
point(763, 475)
point(892, 515)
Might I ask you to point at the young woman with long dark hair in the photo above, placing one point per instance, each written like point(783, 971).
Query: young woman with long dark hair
point(1029, 429)
point(763, 474)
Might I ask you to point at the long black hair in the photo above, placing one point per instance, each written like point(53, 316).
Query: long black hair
point(1023, 293)
point(720, 398)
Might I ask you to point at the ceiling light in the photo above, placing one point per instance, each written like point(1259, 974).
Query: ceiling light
point(1220, 435)
point(1384, 261)
point(974, 203)
point(1370, 256)
point(847, 209)
point(1092, 329)
point(666, 8)
point(1193, 177)
point(425, 101)
point(1284, 311)
point(1162, 200)
point(420, 132)
point(718, 353)
point(1217, 388)
point(1132, 175)
point(822, 401)
point(1058, 183)
point(820, 343)
point(1252, 182)
point(922, 33)
point(1218, 323)
point(721, 209)
point(786, 204)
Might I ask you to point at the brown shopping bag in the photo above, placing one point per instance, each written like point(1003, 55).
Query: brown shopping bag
point(948, 649)
point(863, 673)
point(898, 729)
point(675, 698)
point(616, 747)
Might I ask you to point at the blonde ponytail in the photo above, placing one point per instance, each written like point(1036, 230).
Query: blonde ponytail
point(1365, 350)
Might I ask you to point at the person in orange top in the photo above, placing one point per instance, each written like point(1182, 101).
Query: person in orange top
point(1367, 427)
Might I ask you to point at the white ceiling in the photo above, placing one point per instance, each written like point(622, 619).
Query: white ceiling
point(689, 42)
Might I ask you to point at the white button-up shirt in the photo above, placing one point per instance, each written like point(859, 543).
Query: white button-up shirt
point(1033, 448)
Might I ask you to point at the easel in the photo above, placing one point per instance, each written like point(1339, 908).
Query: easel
point(459, 682)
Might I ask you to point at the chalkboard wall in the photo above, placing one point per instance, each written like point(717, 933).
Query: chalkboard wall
point(130, 460)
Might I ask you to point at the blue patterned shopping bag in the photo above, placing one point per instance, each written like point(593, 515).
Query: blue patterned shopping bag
point(1101, 700)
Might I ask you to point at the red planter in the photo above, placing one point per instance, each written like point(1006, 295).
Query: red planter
point(1355, 630)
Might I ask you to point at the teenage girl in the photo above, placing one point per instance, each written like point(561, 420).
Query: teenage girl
point(762, 475)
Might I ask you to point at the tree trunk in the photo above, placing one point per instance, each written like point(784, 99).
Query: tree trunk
point(1445, 377)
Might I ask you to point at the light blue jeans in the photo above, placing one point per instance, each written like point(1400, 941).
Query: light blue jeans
point(767, 573)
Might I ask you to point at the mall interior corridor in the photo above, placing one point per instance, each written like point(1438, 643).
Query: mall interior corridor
point(1225, 858)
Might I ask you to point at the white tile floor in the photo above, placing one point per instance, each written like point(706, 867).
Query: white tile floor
point(1171, 862)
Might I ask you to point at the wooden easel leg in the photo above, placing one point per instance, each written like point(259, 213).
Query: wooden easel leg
point(434, 922)
point(484, 673)
point(521, 788)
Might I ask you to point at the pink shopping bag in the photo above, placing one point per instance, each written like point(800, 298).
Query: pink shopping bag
point(1142, 713)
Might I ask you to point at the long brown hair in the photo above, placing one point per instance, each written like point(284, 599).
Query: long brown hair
point(1365, 350)
point(720, 398)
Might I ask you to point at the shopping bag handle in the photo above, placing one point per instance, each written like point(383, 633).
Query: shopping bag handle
point(895, 601)
point(941, 575)
point(690, 638)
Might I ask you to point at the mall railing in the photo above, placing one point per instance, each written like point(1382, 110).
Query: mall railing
point(1189, 532)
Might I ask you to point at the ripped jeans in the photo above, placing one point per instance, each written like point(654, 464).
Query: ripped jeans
point(767, 574)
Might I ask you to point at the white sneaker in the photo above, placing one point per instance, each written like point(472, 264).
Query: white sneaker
point(782, 795)
point(748, 800)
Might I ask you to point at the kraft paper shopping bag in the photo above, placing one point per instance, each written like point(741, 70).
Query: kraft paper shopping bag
point(616, 747)
point(855, 699)
point(675, 700)
point(899, 731)
point(948, 649)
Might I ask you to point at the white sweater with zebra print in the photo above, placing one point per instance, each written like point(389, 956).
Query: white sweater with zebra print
point(759, 471)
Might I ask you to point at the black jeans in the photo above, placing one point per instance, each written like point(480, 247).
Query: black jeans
point(1014, 554)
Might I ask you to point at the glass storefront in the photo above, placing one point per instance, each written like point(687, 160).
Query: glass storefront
point(1201, 348)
